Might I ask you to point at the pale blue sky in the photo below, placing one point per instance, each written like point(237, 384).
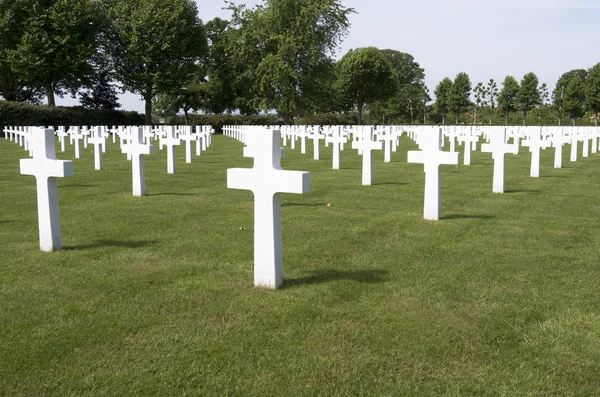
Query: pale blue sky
point(486, 39)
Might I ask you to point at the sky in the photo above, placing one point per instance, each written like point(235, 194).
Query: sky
point(484, 38)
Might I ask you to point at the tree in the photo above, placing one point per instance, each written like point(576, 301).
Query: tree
point(220, 89)
point(365, 75)
point(492, 93)
point(592, 91)
point(574, 98)
point(58, 39)
point(13, 18)
point(411, 88)
point(480, 93)
point(529, 95)
point(155, 45)
point(558, 93)
point(285, 49)
point(442, 95)
point(544, 95)
point(458, 100)
point(507, 100)
point(192, 97)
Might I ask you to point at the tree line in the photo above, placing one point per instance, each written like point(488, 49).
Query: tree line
point(278, 56)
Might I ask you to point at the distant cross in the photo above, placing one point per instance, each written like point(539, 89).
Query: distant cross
point(62, 134)
point(97, 141)
point(574, 139)
point(85, 133)
point(586, 142)
point(558, 140)
point(76, 137)
point(303, 134)
point(170, 141)
point(337, 138)
point(199, 136)
point(367, 145)
point(535, 143)
point(267, 180)
point(46, 168)
point(469, 139)
point(432, 157)
point(388, 138)
point(188, 137)
point(137, 149)
point(316, 137)
point(498, 147)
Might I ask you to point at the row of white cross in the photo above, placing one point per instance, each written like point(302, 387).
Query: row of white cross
point(135, 142)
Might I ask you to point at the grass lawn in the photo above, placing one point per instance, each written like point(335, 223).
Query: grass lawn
point(155, 296)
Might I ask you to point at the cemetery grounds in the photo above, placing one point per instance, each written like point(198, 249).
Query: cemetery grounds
point(154, 295)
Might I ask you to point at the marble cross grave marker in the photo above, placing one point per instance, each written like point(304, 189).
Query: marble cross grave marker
point(498, 147)
point(367, 145)
point(170, 141)
point(535, 144)
point(46, 168)
point(432, 157)
point(137, 149)
point(97, 141)
point(267, 180)
point(337, 138)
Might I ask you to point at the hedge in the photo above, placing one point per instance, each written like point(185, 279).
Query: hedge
point(327, 119)
point(19, 113)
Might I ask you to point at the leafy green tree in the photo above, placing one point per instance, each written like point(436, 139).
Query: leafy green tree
point(155, 45)
point(544, 95)
point(558, 93)
point(220, 89)
point(458, 100)
point(492, 94)
point(442, 95)
point(411, 88)
point(58, 39)
point(592, 91)
point(574, 99)
point(480, 93)
point(365, 75)
point(286, 49)
point(507, 100)
point(100, 92)
point(529, 96)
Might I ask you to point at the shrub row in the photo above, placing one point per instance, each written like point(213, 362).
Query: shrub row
point(327, 119)
point(18, 113)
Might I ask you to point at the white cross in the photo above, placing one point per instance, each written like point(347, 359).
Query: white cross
point(198, 135)
point(498, 147)
point(469, 139)
point(62, 134)
point(535, 144)
point(389, 138)
point(303, 134)
point(367, 145)
point(188, 137)
point(137, 149)
point(46, 168)
point(316, 137)
point(76, 136)
point(97, 141)
point(558, 139)
point(267, 180)
point(574, 139)
point(170, 141)
point(337, 139)
point(432, 157)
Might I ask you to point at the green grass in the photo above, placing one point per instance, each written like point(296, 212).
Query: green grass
point(154, 295)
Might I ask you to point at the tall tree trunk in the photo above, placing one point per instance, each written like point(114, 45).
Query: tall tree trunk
point(524, 117)
point(148, 112)
point(596, 119)
point(475, 120)
point(443, 119)
point(287, 119)
point(50, 94)
point(505, 118)
point(185, 114)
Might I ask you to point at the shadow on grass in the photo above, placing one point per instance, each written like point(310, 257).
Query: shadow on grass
point(390, 183)
point(76, 185)
point(303, 205)
point(464, 216)
point(171, 194)
point(110, 243)
point(326, 276)
point(522, 191)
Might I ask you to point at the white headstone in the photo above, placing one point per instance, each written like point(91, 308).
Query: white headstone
point(431, 156)
point(46, 168)
point(137, 149)
point(267, 180)
point(97, 141)
point(498, 147)
point(535, 144)
point(367, 145)
point(170, 141)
